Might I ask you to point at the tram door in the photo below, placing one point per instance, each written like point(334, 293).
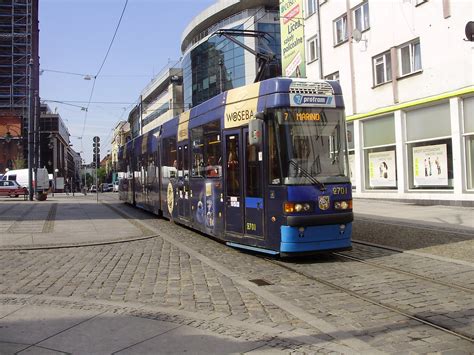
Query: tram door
point(243, 188)
point(183, 181)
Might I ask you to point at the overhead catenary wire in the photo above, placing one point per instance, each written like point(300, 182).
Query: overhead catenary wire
point(100, 69)
point(88, 75)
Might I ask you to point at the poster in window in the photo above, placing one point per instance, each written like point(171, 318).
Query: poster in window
point(430, 165)
point(352, 168)
point(382, 169)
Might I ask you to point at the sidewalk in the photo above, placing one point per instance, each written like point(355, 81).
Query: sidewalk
point(444, 232)
point(63, 220)
point(438, 216)
point(59, 326)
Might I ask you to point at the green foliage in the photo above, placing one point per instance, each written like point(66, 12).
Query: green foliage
point(101, 174)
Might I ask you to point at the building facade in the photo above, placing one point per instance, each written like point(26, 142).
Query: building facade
point(409, 103)
point(11, 142)
point(18, 76)
point(159, 101)
point(54, 151)
point(212, 63)
point(120, 136)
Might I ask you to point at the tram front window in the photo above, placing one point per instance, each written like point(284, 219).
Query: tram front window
point(311, 144)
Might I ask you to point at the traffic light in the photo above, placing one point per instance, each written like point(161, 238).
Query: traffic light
point(96, 151)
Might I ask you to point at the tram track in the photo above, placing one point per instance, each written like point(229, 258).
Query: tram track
point(408, 273)
point(373, 301)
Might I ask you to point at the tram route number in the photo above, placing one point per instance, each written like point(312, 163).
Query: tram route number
point(251, 227)
point(339, 190)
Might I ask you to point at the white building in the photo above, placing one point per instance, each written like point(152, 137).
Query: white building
point(407, 77)
point(162, 99)
point(159, 101)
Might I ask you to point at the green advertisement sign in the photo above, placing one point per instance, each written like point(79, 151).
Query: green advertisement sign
point(292, 38)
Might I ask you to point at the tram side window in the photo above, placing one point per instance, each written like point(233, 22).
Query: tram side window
point(206, 150)
point(197, 157)
point(151, 175)
point(273, 161)
point(169, 158)
point(213, 150)
point(254, 179)
point(233, 165)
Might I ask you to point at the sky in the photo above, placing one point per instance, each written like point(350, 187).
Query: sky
point(74, 38)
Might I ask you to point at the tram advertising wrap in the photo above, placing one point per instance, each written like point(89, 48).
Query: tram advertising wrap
point(262, 167)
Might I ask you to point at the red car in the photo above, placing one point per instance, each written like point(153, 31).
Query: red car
point(11, 188)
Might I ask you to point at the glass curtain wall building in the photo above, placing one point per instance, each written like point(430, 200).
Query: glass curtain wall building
point(213, 64)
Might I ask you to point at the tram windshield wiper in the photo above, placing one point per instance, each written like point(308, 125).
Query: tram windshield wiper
point(306, 174)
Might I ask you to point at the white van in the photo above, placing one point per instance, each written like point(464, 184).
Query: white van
point(41, 183)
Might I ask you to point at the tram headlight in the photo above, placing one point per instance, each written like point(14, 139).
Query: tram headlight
point(343, 205)
point(290, 207)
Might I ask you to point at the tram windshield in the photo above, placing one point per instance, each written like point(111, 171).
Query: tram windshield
point(307, 146)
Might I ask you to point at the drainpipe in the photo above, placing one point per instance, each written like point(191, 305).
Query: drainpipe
point(351, 56)
point(320, 47)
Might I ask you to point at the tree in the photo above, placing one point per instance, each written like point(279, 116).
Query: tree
point(101, 174)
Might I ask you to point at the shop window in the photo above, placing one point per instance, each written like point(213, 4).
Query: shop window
point(340, 29)
point(410, 57)
point(361, 17)
point(432, 164)
point(429, 148)
point(382, 68)
point(428, 123)
point(380, 161)
point(351, 150)
point(468, 114)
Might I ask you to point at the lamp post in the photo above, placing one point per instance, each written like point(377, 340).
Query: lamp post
point(85, 176)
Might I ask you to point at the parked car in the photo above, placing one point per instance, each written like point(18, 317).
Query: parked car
point(111, 187)
point(21, 176)
point(12, 188)
point(104, 188)
point(93, 189)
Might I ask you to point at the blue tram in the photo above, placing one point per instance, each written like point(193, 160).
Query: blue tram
point(262, 167)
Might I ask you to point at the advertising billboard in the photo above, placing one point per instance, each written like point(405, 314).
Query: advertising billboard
point(382, 169)
point(292, 38)
point(430, 165)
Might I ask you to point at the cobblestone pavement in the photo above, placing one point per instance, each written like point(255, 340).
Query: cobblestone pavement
point(189, 279)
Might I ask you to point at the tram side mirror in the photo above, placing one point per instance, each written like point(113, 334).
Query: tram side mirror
point(256, 129)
